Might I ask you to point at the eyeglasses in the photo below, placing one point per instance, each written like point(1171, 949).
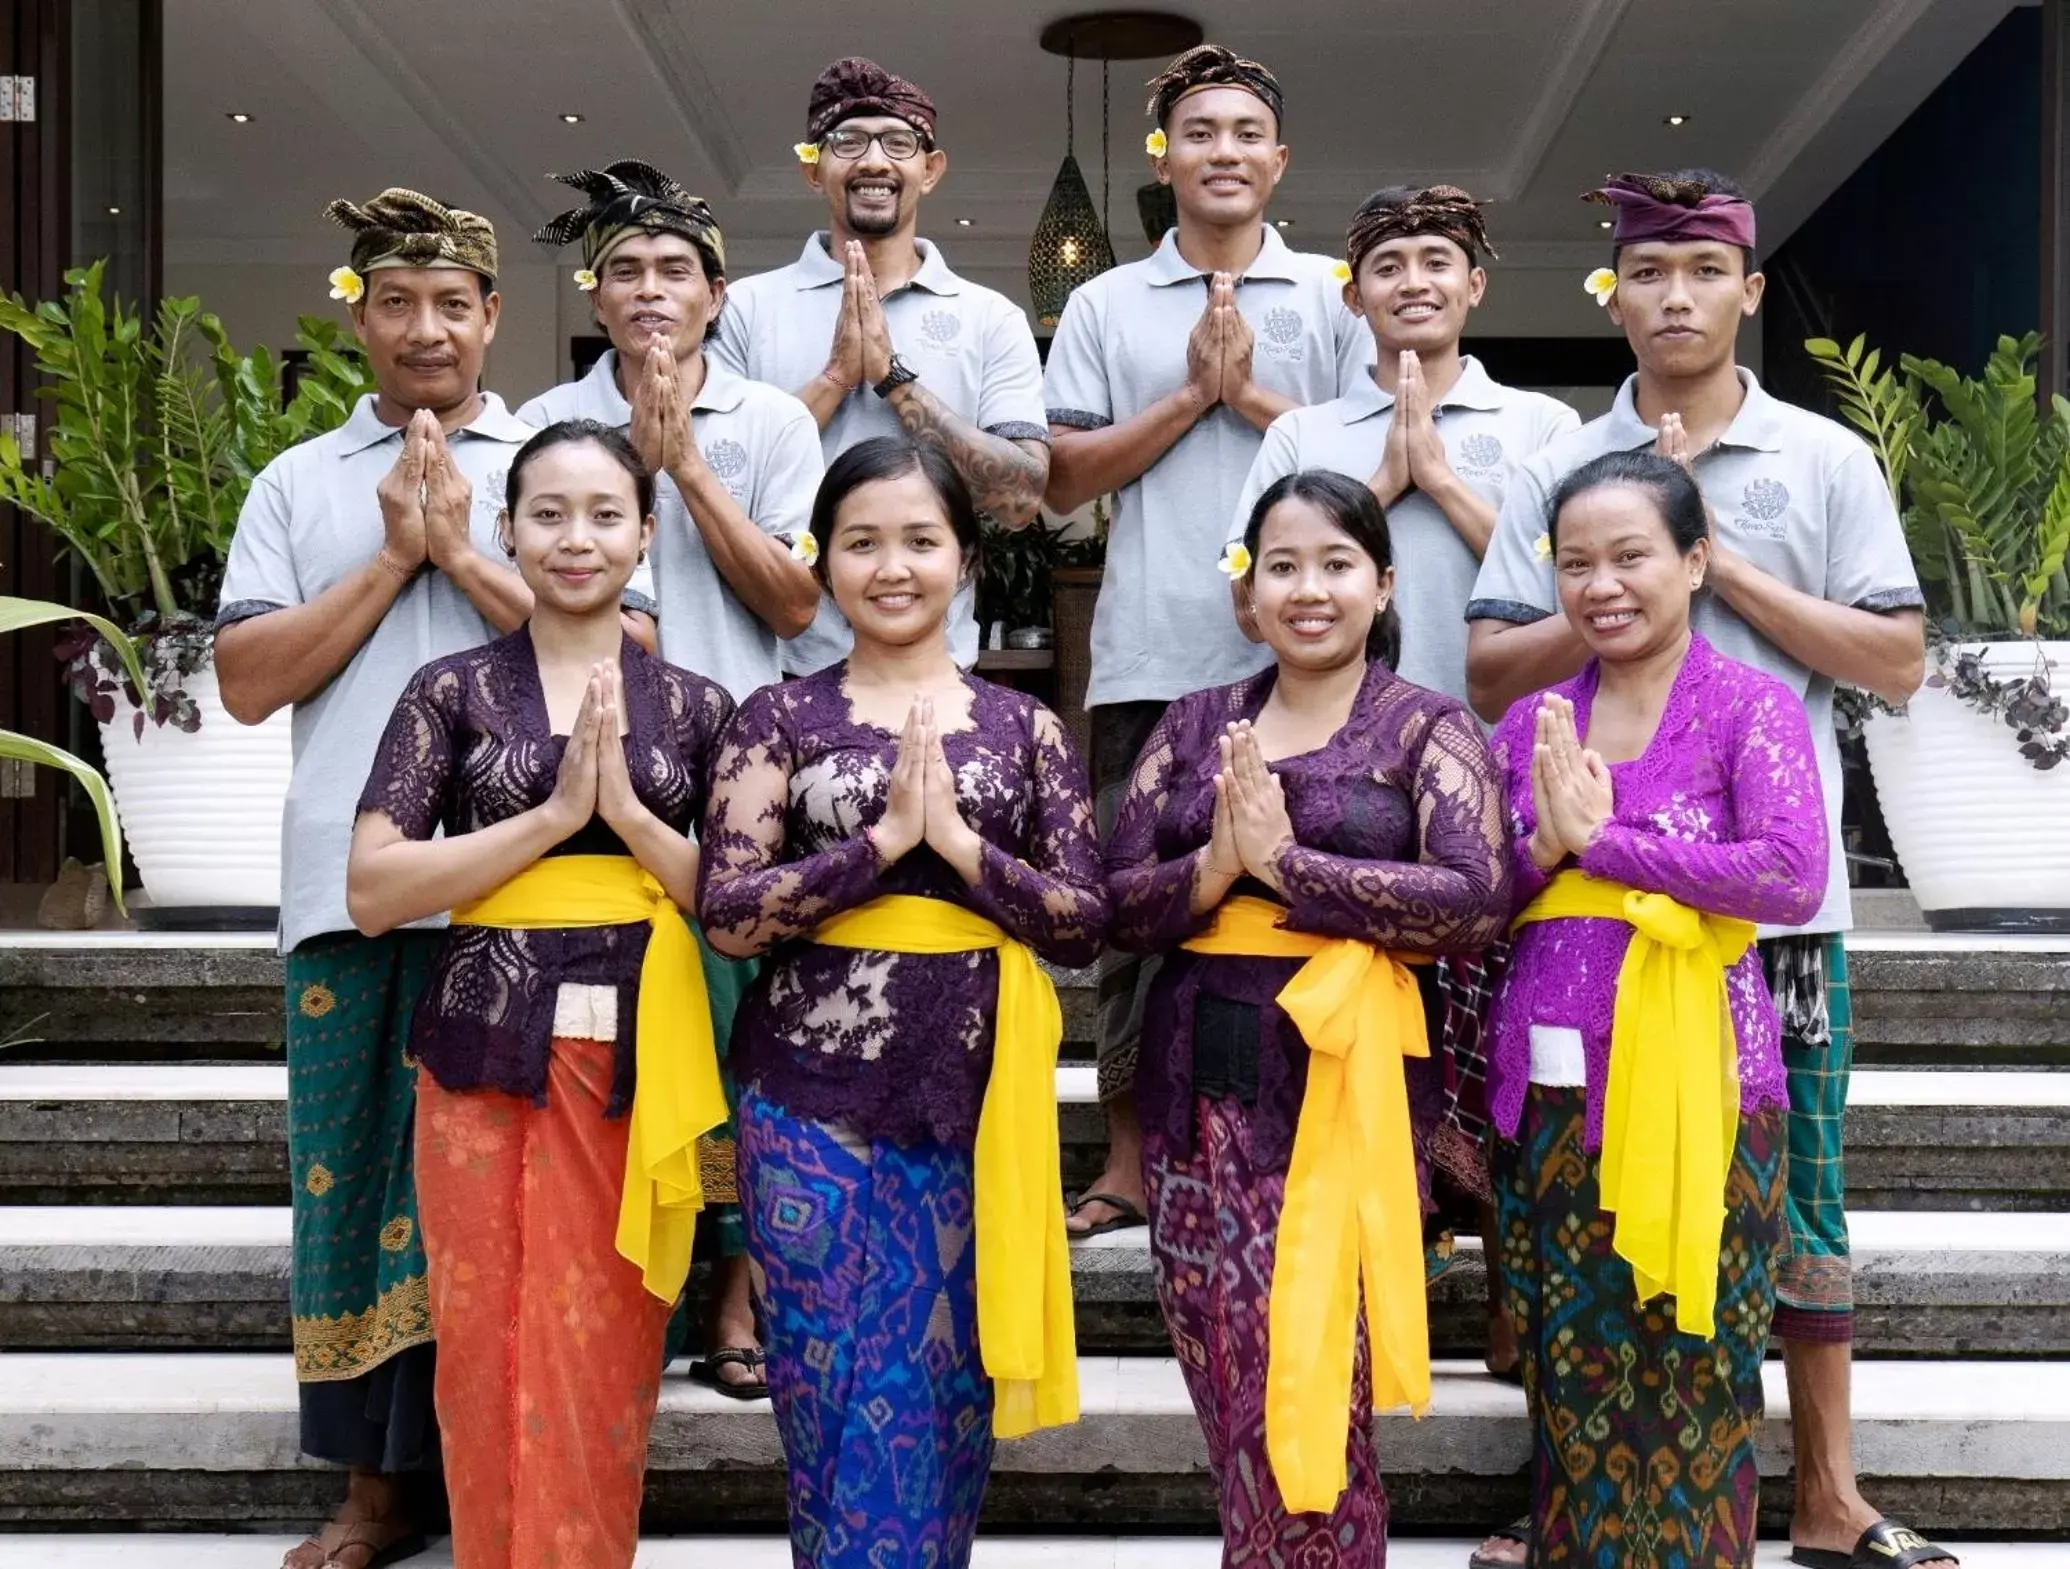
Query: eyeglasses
point(898, 145)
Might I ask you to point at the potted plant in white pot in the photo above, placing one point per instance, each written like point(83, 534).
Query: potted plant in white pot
point(157, 430)
point(1969, 773)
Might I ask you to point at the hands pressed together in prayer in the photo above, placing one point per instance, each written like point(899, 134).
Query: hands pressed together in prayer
point(922, 807)
point(1570, 787)
point(661, 416)
point(1219, 350)
point(1415, 457)
point(1252, 830)
point(594, 780)
point(861, 352)
point(426, 503)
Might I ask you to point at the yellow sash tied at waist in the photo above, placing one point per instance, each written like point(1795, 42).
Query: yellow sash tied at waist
point(1024, 1314)
point(1671, 1107)
point(678, 1095)
point(1351, 1212)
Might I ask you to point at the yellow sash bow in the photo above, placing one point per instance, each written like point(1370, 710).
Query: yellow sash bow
point(1351, 1211)
point(1671, 1108)
point(1025, 1325)
point(678, 1094)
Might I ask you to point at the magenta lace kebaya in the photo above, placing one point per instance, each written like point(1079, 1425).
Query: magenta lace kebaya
point(1723, 812)
point(1399, 842)
point(887, 1045)
point(470, 745)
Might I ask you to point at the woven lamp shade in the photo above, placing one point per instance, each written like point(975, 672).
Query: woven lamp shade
point(1070, 244)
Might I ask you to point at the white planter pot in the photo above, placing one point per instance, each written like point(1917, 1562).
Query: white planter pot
point(201, 812)
point(1983, 835)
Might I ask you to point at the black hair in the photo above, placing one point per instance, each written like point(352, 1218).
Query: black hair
point(1355, 511)
point(567, 432)
point(1714, 184)
point(1674, 494)
point(890, 457)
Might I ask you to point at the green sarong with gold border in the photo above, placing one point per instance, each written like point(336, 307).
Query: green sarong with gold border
point(358, 1290)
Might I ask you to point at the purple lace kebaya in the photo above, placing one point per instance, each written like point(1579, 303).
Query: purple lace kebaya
point(1398, 842)
point(1722, 812)
point(887, 1045)
point(470, 745)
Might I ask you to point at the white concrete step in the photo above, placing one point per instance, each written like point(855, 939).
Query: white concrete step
point(97, 1411)
point(769, 1552)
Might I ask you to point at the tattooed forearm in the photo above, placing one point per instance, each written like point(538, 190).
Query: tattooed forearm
point(1006, 477)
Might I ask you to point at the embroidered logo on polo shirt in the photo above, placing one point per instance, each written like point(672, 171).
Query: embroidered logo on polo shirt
point(1282, 328)
point(490, 496)
point(941, 327)
point(1480, 451)
point(727, 458)
point(1762, 505)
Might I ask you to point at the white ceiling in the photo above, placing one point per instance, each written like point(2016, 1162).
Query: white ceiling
point(1527, 102)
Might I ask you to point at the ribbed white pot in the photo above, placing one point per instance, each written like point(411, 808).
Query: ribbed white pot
point(201, 812)
point(1983, 835)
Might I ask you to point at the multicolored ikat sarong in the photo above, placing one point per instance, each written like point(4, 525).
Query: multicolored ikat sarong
point(1643, 1446)
point(1214, 1225)
point(864, 1257)
point(358, 1294)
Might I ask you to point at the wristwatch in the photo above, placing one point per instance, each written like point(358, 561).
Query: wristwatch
point(899, 374)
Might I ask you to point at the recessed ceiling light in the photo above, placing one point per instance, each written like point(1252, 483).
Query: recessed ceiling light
point(1282, 223)
point(571, 119)
point(1678, 119)
point(1605, 223)
point(962, 223)
point(238, 117)
point(114, 212)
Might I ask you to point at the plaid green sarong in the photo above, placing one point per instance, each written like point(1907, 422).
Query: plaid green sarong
point(1819, 1274)
point(358, 1290)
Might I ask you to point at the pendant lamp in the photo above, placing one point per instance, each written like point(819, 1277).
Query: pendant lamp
point(1070, 243)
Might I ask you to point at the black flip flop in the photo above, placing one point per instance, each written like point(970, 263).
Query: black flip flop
point(1518, 1531)
point(1126, 1215)
point(1885, 1545)
point(706, 1372)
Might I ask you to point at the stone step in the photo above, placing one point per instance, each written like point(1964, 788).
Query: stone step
point(208, 1441)
point(135, 1277)
point(1942, 999)
point(197, 1551)
point(201, 1133)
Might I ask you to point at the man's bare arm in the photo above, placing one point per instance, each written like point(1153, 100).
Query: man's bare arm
point(758, 567)
point(1088, 463)
point(266, 662)
point(1879, 651)
point(1006, 476)
point(1506, 660)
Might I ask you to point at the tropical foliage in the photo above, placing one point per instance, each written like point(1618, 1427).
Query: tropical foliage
point(1981, 478)
point(157, 428)
point(16, 614)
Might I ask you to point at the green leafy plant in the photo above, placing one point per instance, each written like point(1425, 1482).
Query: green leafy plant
point(1982, 481)
point(1014, 586)
point(16, 614)
point(158, 428)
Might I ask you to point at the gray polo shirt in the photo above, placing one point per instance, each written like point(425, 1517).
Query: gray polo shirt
point(1486, 427)
point(971, 346)
point(311, 519)
point(1799, 496)
point(1163, 626)
point(763, 445)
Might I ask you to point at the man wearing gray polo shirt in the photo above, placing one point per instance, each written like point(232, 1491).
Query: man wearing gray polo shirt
point(1162, 379)
point(1429, 431)
point(1810, 580)
point(736, 463)
point(360, 556)
point(878, 337)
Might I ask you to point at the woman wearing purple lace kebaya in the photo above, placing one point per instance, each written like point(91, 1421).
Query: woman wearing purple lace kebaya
point(1643, 862)
point(862, 1070)
point(1358, 806)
